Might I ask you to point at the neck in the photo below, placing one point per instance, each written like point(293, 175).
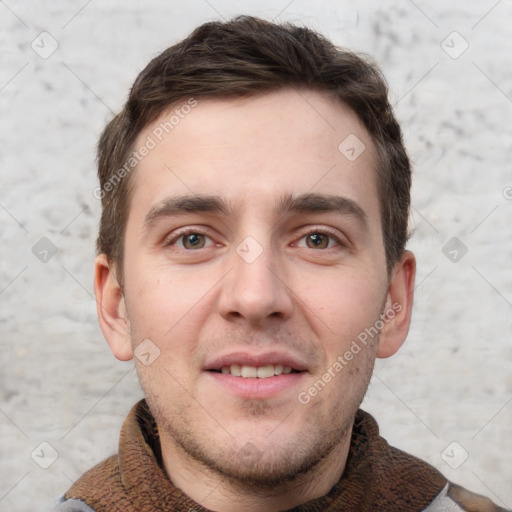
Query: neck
point(215, 491)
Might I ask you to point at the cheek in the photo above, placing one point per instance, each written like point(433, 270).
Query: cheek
point(165, 310)
point(344, 303)
point(149, 304)
point(168, 307)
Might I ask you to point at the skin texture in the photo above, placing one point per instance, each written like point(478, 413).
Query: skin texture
point(197, 300)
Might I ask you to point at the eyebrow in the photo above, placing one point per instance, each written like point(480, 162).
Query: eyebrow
point(287, 205)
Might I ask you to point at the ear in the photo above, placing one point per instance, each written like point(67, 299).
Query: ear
point(111, 309)
point(398, 309)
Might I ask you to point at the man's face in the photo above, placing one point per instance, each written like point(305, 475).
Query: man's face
point(253, 243)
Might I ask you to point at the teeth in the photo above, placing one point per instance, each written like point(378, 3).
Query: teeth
point(235, 370)
point(265, 371)
point(249, 371)
point(260, 372)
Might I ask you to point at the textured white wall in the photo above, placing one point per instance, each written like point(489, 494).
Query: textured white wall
point(451, 382)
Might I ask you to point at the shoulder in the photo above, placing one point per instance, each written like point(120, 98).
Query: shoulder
point(72, 505)
point(457, 499)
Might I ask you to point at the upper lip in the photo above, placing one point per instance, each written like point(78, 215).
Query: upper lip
point(246, 358)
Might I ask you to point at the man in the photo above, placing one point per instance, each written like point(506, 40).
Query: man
point(251, 256)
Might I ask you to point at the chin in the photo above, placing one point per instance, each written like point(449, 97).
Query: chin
point(251, 458)
point(262, 467)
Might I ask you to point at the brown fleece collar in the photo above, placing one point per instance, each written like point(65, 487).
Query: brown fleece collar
point(376, 476)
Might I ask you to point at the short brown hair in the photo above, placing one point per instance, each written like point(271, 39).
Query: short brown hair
point(243, 57)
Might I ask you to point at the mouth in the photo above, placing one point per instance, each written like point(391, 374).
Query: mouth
point(256, 372)
point(257, 376)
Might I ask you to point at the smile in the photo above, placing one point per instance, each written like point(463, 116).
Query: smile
point(256, 372)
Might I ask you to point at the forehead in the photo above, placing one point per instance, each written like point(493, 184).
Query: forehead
point(284, 142)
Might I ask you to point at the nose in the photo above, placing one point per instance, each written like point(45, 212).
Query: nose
point(255, 288)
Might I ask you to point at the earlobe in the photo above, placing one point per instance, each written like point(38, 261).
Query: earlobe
point(398, 308)
point(111, 309)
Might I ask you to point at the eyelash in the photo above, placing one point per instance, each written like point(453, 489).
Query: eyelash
point(325, 232)
point(175, 237)
point(169, 241)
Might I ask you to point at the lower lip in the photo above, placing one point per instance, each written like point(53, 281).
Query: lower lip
point(257, 389)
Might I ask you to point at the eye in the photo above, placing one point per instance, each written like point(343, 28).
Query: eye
point(190, 241)
point(318, 240)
